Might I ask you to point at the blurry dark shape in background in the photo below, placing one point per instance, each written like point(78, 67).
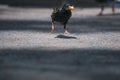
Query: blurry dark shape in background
point(31, 3)
point(48, 3)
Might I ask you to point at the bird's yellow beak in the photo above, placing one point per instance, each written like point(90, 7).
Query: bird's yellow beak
point(71, 8)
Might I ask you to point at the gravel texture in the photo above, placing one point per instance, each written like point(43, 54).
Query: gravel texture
point(29, 51)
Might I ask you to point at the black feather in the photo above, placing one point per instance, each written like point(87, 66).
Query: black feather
point(61, 15)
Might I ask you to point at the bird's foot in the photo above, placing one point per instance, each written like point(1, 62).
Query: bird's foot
point(100, 14)
point(66, 32)
point(113, 13)
point(52, 30)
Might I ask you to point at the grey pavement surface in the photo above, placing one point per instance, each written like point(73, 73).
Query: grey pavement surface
point(29, 51)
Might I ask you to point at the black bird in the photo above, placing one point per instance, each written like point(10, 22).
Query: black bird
point(62, 15)
point(103, 3)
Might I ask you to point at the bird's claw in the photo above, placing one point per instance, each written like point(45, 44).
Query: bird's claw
point(52, 30)
point(100, 14)
point(66, 32)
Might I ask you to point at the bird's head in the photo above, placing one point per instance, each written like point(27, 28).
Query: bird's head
point(68, 7)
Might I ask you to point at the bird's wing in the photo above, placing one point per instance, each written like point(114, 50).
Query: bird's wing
point(55, 10)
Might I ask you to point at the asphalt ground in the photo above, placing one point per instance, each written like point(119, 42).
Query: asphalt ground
point(29, 51)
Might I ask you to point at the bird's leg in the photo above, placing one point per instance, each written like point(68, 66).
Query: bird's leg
point(113, 7)
point(53, 28)
point(65, 32)
point(102, 9)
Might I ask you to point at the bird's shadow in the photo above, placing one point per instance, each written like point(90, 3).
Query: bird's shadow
point(65, 36)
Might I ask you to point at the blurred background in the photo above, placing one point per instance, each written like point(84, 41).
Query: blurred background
point(47, 3)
